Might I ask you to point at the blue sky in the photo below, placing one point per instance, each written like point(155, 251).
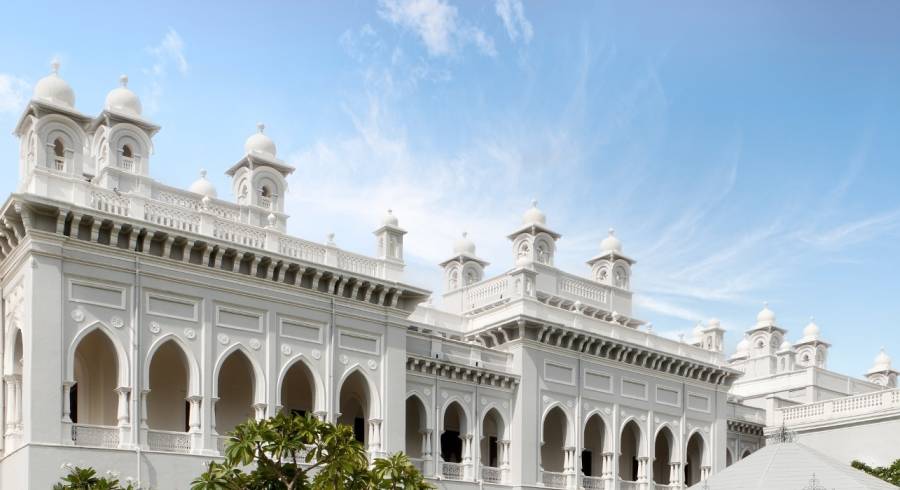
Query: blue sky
point(744, 151)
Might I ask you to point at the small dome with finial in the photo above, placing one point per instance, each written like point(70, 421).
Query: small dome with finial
point(882, 362)
point(811, 330)
point(389, 219)
point(611, 243)
point(534, 216)
point(54, 89)
point(203, 186)
point(785, 346)
point(464, 245)
point(260, 143)
point(122, 99)
point(743, 346)
point(765, 316)
point(698, 331)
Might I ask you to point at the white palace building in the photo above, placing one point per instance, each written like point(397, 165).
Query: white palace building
point(141, 323)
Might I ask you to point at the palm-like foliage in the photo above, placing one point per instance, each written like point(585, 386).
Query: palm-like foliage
point(87, 479)
point(288, 452)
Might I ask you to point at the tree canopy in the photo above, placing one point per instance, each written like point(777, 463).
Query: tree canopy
point(890, 474)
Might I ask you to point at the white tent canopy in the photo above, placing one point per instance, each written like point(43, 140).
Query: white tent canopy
point(792, 466)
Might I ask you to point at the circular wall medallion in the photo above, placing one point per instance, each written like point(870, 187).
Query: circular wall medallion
point(570, 404)
point(505, 404)
point(444, 395)
point(223, 339)
point(117, 322)
point(316, 354)
point(286, 350)
point(155, 328)
point(428, 391)
point(607, 410)
point(483, 402)
point(190, 334)
point(254, 344)
point(546, 399)
point(78, 315)
point(372, 364)
point(344, 359)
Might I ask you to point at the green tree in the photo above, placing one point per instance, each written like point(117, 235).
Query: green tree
point(303, 453)
point(87, 479)
point(890, 474)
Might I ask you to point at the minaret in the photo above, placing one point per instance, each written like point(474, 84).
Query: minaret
point(389, 238)
point(533, 241)
point(882, 373)
point(259, 179)
point(713, 336)
point(464, 268)
point(612, 267)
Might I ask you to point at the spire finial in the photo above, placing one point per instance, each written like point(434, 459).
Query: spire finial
point(534, 203)
point(390, 211)
point(54, 65)
point(765, 304)
point(260, 127)
point(123, 79)
point(812, 319)
point(465, 234)
point(612, 231)
point(202, 173)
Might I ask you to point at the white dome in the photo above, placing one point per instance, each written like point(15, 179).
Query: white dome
point(715, 323)
point(534, 216)
point(766, 316)
point(743, 346)
point(389, 219)
point(698, 331)
point(611, 243)
point(785, 346)
point(464, 245)
point(203, 187)
point(122, 99)
point(811, 330)
point(260, 143)
point(882, 362)
point(53, 88)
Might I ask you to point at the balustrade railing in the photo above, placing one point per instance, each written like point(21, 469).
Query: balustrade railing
point(553, 479)
point(628, 485)
point(169, 441)
point(583, 289)
point(491, 474)
point(109, 202)
point(127, 163)
point(592, 483)
point(95, 435)
point(240, 234)
point(487, 292)
point(179, 200)
point(453, 471)
point(301, 249)
point(59, 164)
point(265, 202)
point(221, 443)
point(359, 264)
point(171, 216)
point(666, 486)
point(842, 407)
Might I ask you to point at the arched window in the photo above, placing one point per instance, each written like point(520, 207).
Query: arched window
point(167, 405)
point(594, 438)
point(729, 460)
point(621, 277)
point(452, 434)
point(662, 463)
point(453, 281)
point(630, 449)
point(298, 390)
point(59, 154)
point(555, 429)
point(416, 437)
point(235, 389)
point(491, 435)
point(354, 405)
point(265, 192)
point(126, 152)
point(96, 369)
point(693, 463)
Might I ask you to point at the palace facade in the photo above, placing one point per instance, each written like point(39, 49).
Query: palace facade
point(142, 322)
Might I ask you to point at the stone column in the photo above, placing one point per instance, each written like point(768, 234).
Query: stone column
point(704, 473)
point(259, 410)
point(10, 402)
point(144, 427)
point(66, 434)
point(17, 413)
point(122, 419)
point(194, 424)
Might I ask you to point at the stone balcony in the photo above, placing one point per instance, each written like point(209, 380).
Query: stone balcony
point(830, 412)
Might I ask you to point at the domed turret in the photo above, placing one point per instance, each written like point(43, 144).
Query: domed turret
point(464, 246)
point(203, 186)
point(122, 99)
point(765, 316)
point(389, 219)
point(259, 143)
point(534, 216)
point(811, 330)
point(882, 362)
point(785, 346)
point(54, 89)
point(611, 243)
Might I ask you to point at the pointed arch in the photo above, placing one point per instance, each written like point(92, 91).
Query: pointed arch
point(455, 421)
point(123, 364)
point(493, 430)
point(429, 413)
point(663, 454)
point(595, 436)
point(556, 428)
point(258, 378)
point(729, 458)
point(317, 388)
point(169, 386)
point(357, 402)
point(631, 447)
point(15, 343)
point(374, 405)
point(193, 366)
point(416, 424)
point(608, 433)
point(695, 457)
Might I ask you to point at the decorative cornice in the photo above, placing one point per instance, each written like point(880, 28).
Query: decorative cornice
point(458, 372)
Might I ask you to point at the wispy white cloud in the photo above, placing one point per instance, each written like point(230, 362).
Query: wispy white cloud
point(438, 24)
point(853, 232)
point(169, 52)
point(517, 25)
point(13, 93)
